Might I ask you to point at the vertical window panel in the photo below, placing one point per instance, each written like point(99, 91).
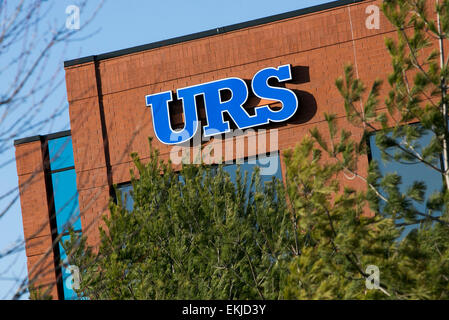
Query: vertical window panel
point(61, 153)
point(65, 197)
point(67, 283)
point(66, 200)
point(125, 193)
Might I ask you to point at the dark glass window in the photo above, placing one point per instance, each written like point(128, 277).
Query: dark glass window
point(69, 293)
point(61, 153)
point(66, 200)
point(125, 192)
point(409, 171)
point(65, 197)
point(269, 166)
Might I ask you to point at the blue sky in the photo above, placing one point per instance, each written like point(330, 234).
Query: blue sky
point(120, 24)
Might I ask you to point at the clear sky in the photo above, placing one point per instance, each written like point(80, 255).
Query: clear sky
point(120, 24)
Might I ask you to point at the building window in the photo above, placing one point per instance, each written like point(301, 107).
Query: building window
point(269, 166)
point(409, 172)
point(126, 196)
point(66, 200)
point(65, 197)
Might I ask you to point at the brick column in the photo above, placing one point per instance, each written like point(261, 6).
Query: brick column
point(90, 146)
point(38, 223)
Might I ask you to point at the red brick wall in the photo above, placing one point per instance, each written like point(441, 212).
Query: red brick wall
point(112, 92)
point(36, 216)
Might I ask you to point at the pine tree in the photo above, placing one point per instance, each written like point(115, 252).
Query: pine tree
point(343, 236)
point(337, 240)
point(201, 236)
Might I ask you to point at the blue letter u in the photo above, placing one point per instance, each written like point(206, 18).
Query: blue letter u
point(161, 119)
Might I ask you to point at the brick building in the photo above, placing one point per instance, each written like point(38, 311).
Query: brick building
point(69, 176)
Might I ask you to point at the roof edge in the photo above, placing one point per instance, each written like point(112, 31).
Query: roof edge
point(211, 32)
point(49, 136)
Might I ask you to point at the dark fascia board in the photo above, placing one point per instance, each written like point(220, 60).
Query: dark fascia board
point(212, 32)
point(50, 136)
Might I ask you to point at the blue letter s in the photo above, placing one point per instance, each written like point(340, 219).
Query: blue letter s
point(263, 90)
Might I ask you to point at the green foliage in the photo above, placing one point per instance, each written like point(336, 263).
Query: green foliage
point(199, 237)
point(39, 293)
point(205, 237)
point(336, 240)
point(416, 106)
point(341, 240)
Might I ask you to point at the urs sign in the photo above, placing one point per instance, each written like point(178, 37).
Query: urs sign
point(215, 107)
